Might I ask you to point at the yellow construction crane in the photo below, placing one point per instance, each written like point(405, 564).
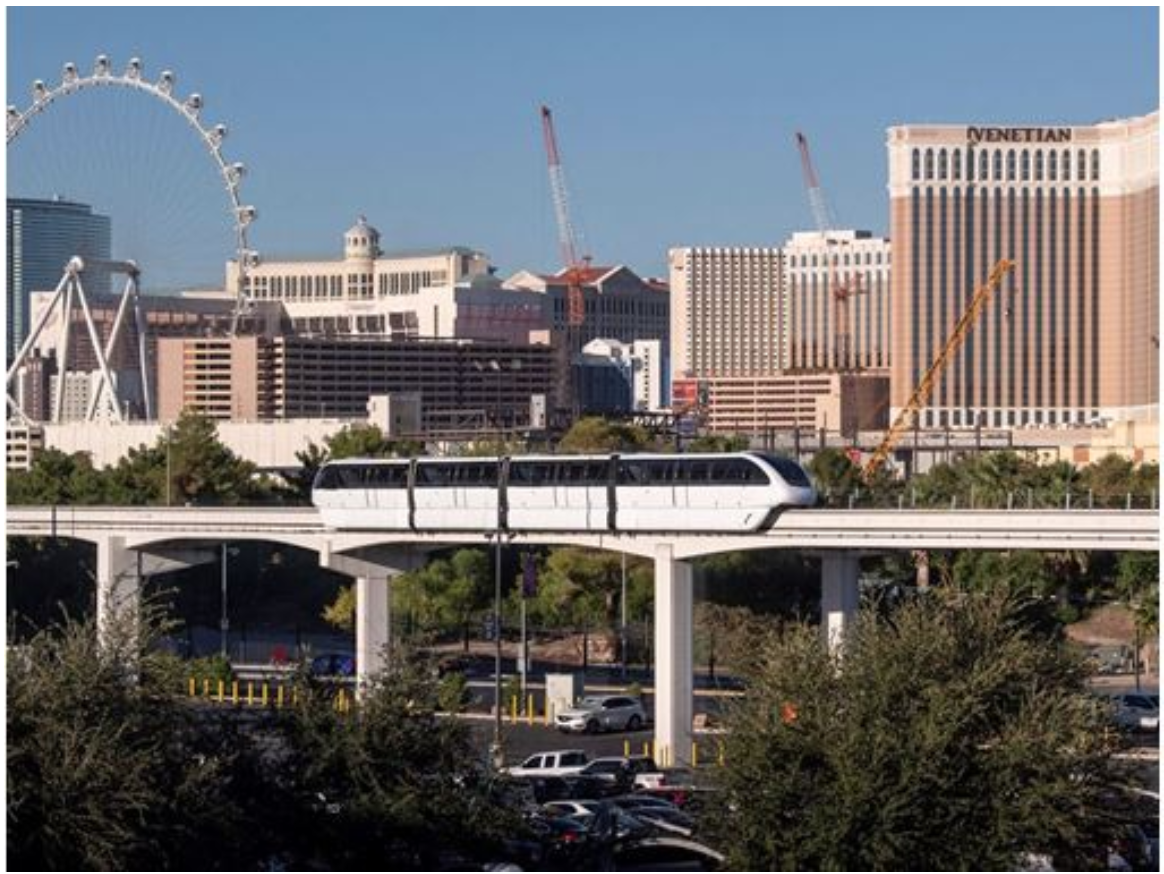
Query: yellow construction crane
point(921, 394)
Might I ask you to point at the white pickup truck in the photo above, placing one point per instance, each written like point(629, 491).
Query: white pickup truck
point(559, 763)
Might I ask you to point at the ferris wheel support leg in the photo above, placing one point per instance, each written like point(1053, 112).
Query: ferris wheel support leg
point(66, 333)
point(110, 345)
point(31, 339)
point(142, 351)
point(97, 350)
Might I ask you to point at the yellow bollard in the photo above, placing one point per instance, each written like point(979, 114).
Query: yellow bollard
point(279, 697)
point(250, 693)
point(221, 690)
point(193, 687)
point(529, 710)
point(264, 693)
point(694, 754)
point(626, 748)
point(294, 697)
point(720, 757)
point(647, 749)
point(234, 691)
point(205, 687)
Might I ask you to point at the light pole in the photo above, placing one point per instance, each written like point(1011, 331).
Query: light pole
point(498, 751)
point(224, 619)
point(622, 630)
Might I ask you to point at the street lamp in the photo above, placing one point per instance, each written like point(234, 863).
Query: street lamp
point(497, 750)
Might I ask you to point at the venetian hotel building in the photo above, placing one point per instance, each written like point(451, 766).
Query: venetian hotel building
point(1071, 337)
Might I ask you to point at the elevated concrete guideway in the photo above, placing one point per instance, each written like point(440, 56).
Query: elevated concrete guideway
point(1115, 530)
point(126, 535)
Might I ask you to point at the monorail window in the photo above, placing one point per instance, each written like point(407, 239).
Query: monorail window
point(328, 477)
point(791, 472)
point(384, 476)
point(736, 471)
point(457, 475)
point(550, 473)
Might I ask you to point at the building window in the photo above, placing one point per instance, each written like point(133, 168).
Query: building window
point(1010, 165)
point(1066, 165)
point(983, 167)
point(956, 160)
point(1025, 166)
point(997, 175)
point(1095, 165)
point(942, 164)
point(929, 163)
point(1039, 165)
point(1052, 165)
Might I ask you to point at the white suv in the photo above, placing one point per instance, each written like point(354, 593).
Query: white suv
point(603, 713)
point(555, 764)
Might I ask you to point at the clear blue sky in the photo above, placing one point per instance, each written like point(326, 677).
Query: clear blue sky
point(676, 125)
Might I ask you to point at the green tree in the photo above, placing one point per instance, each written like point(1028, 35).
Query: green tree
point(582, 587)
point(56, 478)
point(719, 443)
point(341, 612)
point(1138, 585)
point(834, 473)
point(447, 593)
point(109, 770)
point(395, 787)
point(593, 434)
point(946, 736)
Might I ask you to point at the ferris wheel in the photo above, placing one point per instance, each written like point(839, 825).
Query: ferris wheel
point(211, 137)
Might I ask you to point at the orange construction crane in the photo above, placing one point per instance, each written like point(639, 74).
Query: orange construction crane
point(575, 266)
point(921, 394)
point(849, 286)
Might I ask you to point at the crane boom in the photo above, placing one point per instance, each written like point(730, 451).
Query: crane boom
point(922, 392)
point(816, 198)
point(567, 238)
point(843, 290)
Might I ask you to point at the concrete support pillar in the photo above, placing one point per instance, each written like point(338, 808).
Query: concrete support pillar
point(373, 571)
point(839, 595)
point(673, 666)
point(118, 594)
point(373, 625)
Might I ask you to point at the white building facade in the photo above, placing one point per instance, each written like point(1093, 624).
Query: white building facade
point(444, 293)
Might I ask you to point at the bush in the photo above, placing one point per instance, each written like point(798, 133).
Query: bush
point(213, 668)
point(453, 692)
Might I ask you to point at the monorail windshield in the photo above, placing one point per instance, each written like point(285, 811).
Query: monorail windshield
point(792, 473)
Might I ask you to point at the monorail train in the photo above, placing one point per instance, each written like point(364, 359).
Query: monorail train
point(741, 491)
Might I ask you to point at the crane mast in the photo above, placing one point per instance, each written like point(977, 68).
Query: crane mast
point(841, 291)
point(567, 238)
point(926, 385)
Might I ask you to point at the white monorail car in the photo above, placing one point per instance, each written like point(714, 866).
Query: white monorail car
point(741, 491)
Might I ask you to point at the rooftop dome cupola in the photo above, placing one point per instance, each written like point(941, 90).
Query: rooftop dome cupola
point(361, 242)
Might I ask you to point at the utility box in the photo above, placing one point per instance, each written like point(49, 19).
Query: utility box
point(562, 690)
point(396, 414)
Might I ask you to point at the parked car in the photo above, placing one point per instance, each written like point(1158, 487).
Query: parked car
point(558, 763)
point(647, 775)
point(579, 810)
point(603, 713)
point(615, 770)
point(1136, 711)
point(333, 664)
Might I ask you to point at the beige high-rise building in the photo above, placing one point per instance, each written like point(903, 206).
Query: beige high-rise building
point(1072, 335)
point(727, 311)
point(838, 301)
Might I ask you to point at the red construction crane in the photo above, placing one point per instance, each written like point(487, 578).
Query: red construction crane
point(575, 266)
point(850, 286)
